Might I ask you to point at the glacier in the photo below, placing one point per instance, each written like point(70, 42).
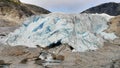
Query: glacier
point(81, 31)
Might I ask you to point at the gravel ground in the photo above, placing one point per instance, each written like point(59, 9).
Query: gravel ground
point(24, 57)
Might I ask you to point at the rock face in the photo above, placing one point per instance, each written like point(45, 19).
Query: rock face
point(18, 54)
point(108, 8)
point(81, 31)
point(114, 25)
point(13, 12)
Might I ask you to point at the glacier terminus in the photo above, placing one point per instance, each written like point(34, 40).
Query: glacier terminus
point(81, 31)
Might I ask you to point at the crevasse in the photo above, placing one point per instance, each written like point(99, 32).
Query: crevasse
point(81, 31)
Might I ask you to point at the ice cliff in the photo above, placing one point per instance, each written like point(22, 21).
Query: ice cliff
point(81, 31)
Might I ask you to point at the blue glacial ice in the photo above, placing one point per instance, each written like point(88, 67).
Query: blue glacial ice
point(81, 31)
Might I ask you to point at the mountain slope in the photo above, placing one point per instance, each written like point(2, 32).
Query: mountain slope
point(13, 12)
point(110, 8)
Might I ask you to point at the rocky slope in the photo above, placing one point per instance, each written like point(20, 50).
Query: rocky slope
point(13, 12)
point(108, 8)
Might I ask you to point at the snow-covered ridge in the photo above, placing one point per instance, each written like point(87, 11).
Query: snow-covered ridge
point(81, 31)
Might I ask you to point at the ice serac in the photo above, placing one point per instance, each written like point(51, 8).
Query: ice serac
point(81, 31)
